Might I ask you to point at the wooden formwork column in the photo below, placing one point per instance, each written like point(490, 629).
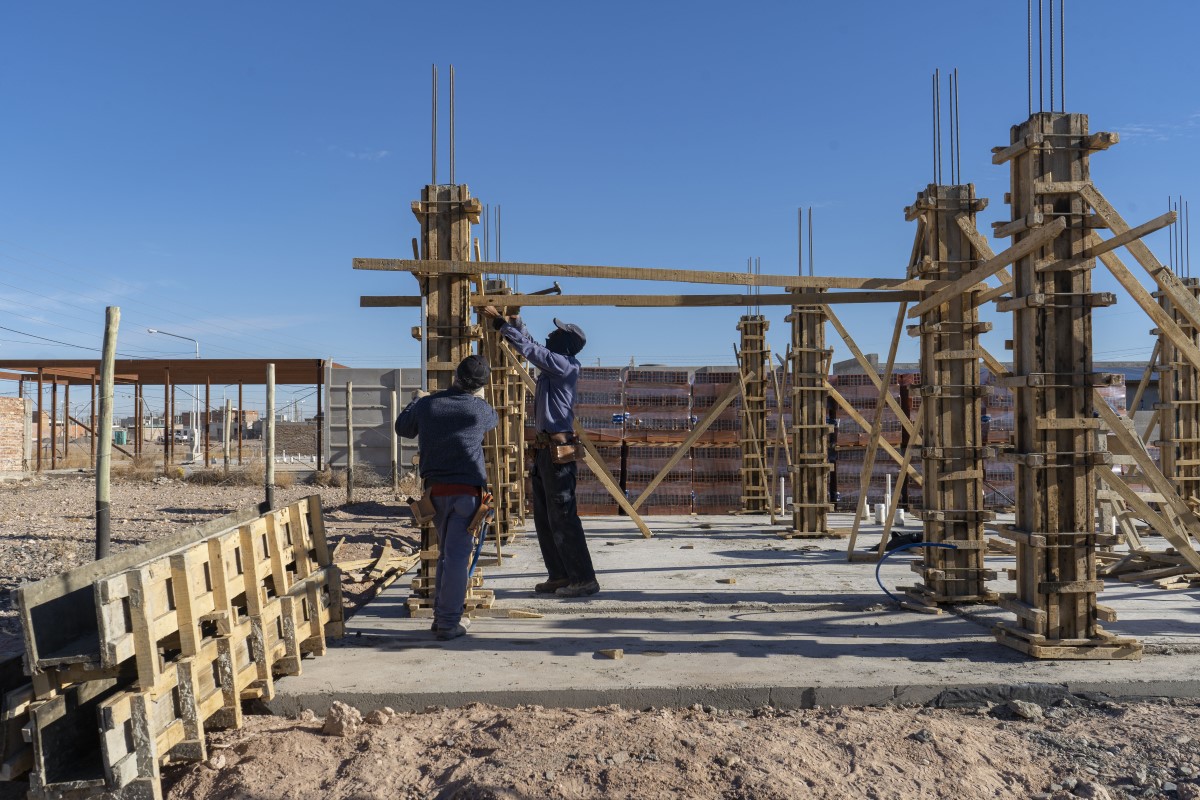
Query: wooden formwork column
point(445, 212)
point(754, 363)
point(1179, 406)
point(504, 445)
point(810, 423)
point(1056, 454)
point(953, 448)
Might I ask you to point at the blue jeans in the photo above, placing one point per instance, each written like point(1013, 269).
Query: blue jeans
point(451, 516)
point(556, 518)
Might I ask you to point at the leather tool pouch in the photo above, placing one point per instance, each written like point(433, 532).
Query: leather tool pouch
point(422, 509)
point(565, 448)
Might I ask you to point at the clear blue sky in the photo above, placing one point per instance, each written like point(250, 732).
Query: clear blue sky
point(213, 168)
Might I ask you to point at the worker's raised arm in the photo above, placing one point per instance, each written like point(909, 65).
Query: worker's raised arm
point(551, 363)
point(406, 423)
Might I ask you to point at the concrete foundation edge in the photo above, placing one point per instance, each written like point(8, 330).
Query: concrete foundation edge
point(744, 697)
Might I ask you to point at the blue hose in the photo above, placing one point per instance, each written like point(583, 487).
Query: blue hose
point(901, 549)
point(483, 529)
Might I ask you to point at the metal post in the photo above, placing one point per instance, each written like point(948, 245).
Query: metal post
point(225, 432)
point(54, 423)
point(349, 442)
point(92, 449)
point(112, 319)
point(241, 420)
point(39, 420)
point(66, 422)
point(320, 417)
point(269, 436)
point(395, 445)
point(207, 419)
point(168, 426)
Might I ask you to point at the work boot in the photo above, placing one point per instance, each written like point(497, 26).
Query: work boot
point(551, 586)
point(445, 634)
point(579, 589)
point(465, 622)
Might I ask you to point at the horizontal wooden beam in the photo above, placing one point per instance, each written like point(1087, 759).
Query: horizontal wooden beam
point(638, 274)
point(389, 301)
point(658, 300)
point(1038, 239)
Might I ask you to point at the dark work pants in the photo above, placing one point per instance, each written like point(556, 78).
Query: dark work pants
point(556, 517)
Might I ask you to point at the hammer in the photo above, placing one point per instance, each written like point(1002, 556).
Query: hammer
point(555, 289)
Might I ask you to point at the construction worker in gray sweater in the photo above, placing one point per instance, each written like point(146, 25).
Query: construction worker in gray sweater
point(449, 427)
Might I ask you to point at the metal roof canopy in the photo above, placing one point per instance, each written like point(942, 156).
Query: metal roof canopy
point(155, 371)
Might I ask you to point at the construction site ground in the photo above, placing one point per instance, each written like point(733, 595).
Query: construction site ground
point(719, 611)
point(752, 667)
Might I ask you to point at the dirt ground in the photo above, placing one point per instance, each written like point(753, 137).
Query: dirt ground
point(1091, 748)
point(47, 525)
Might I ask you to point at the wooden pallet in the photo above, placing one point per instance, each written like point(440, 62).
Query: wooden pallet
point(180, 636)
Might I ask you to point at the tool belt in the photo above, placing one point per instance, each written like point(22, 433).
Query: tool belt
point(423, 510)
point(564, 447)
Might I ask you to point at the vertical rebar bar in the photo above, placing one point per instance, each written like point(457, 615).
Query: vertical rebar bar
point(452, 124)
point(933, 131)
point(937, 120)
point(433, 140)
point(1051, 55)
point(1029, 54)
point(800, 240)
point(810, 242)
point(957, 129)
point(1062, 56)
point(1041, 70)
point(1187, 242)
point(950, 78)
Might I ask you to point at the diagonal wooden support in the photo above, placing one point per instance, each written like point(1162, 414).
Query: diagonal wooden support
point(1145, 381)
point(1166, 325)
point(867, 368)
point(913, 444)
point(723, 400)
point(876, 430)
point(594, 462)
point(987, 269)
point(1155, 479)
point(861, 421)
point(980, 243)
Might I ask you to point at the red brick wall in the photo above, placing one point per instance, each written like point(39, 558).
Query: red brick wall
point(12, 434)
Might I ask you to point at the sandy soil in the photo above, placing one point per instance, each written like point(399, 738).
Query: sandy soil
point(482, 751)
point(47, 525)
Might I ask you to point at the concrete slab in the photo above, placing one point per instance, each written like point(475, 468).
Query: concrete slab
point(800, 627)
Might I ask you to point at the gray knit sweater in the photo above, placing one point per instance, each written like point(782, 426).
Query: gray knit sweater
point(449, 427)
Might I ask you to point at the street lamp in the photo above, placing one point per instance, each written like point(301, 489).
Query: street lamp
point(195, 397)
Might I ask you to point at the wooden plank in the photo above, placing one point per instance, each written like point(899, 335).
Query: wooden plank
point(655, 301)
point(876, 428)
point(913, 445)
point(463, 267)
point(990, 267)
point(852, 412)
point(1157, 481)
point(1131, 234)
point(1166, 325)
point(723, 400)
point(869, 370)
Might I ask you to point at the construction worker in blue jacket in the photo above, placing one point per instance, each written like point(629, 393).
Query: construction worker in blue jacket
point(555, 512)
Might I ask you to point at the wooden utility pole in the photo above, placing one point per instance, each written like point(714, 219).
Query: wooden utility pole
point(92, 448)
point(207, 420)
point(112, 319)
point(349, 442)
point(241, 421)
point(168, 423)
point(269, 437)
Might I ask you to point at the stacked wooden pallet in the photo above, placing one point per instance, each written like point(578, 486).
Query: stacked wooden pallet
point(131, 658)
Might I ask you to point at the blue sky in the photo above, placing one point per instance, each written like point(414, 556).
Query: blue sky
point(213, 168)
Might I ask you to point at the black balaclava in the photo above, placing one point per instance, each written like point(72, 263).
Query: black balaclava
point(559, 341)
